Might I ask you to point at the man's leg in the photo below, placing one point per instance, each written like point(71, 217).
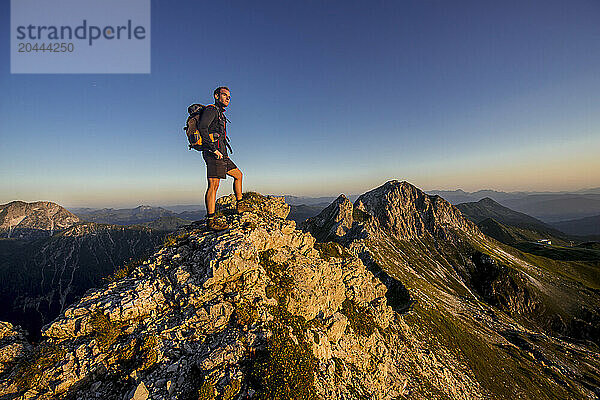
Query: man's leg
point(237, 182)
point(210, 198)
point(237, 188)
point(211, 195)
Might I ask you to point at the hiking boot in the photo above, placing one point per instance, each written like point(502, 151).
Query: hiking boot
point(216, 225)
point(242, 207)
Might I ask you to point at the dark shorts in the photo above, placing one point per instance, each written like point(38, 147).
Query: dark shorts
point(216, 168)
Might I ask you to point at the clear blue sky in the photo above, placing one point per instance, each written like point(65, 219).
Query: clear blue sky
point(327, 97)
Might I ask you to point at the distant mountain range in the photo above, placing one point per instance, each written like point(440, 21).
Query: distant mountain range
point(395, 296)
point(574, 213)
point(49, 257)
point(125, 216)
point(461, 196)
point(185, 208)
point(139, 215)
point(547, 206)
point(524, 232)
point(171, 217)
point(581, 226)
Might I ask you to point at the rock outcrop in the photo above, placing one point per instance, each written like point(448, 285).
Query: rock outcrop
point(406, 212)
point(256, 311)
point(385, 305)
point(13, 346)
point(41, 278)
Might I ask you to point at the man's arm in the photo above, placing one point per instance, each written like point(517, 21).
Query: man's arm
point(208, 115)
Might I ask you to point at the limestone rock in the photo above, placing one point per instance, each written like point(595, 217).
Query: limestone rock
point(407, 212)
point(13, 345)
point(334, 221)
point(271, 205)
point(233, 314)
point(141, 392)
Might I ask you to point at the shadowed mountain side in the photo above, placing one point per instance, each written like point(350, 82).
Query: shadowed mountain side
point(453, 267)
point(41, 278)
point(301, 212)
point(581, 227)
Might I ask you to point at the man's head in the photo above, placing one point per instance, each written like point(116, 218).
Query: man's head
point(222, 96)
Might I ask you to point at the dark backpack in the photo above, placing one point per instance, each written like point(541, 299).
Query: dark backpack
point(191, 127)
point(192, 130)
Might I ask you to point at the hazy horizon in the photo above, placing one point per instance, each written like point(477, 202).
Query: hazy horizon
point(225, 191)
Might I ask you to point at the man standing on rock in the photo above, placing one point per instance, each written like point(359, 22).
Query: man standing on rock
point(213, 125)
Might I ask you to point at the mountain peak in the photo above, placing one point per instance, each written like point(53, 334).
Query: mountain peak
point(32, 220)
point(229, 312)
point(263, 310)
point(396, 207)
point(489, 202)
point(407, 212)
point(334, 221)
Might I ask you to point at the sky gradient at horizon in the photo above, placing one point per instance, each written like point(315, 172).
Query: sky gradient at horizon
point(327, 97)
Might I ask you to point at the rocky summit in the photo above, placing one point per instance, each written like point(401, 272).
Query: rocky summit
point(23, 220)
point(394, 297)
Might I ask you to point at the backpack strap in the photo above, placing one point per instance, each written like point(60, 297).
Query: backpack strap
point(226, 139)
point(221, 115)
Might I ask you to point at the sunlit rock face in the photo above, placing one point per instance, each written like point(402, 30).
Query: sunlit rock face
point(407, 212)
point(34, 220)
point(265, 310)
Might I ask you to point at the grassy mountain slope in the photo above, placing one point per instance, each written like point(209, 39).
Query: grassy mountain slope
point(527, 326)
point(517, 226)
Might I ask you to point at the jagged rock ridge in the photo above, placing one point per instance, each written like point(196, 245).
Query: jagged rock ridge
point(454, 280)
point(397, 208)
point(264, 311)
point(407, 212)
point(255, 311)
